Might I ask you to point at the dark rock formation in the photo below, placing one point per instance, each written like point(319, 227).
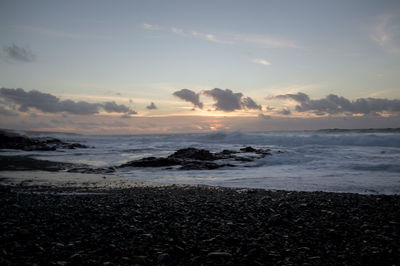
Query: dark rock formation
point(14, 141)
point(193, 154)
point(25, 163)
point(258, 151)
point(248, 149)
point(199, 159)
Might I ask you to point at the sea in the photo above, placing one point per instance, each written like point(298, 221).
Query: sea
point(334, 160)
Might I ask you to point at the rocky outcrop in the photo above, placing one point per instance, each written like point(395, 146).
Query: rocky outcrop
point(193, 154)
point(152, 162)
point(22, 163)
point(15, 141)
point(199, 159)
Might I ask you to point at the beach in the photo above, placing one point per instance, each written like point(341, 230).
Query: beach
point(57, 208)
point(199, 133)
point(56, 218)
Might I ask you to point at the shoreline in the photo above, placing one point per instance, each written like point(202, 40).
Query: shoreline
point(39, 178)
point(104, 180)
point(93, 222)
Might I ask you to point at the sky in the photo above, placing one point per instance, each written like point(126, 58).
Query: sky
point(127, 67)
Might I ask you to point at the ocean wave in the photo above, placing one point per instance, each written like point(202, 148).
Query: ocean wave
point(299, 139)
point(393, 168)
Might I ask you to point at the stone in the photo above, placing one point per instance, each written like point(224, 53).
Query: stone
point(9, 140)
point(163, 258)
point(193, 154)
point(248, 149)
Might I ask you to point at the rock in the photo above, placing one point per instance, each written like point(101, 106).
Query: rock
point(219, 254)
point(225, 154)
point(141, 260)
point(221, 257)
point(25, 163)
point(228, 152)
point(248, 149)
point(197, 159)
point(9, 140)
point(275, 219)
point(193, 154)
point(75, 257)
point(257, 151)
point(163, 258)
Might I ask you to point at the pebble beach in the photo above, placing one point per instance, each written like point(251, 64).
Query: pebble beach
point(142, 224)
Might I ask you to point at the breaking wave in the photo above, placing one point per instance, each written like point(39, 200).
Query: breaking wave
point(299, 139)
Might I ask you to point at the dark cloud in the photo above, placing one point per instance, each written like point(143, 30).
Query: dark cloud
point(189, 96)
point(284, 111)
point(262, 116)
point(249, 103)
point(228, 101)
point(49, 103)
point(128, 115)
point(152, 106)
point(333, 104)
point(18, 53)
point(112, 107)
point(299, 97)
point(7, 112)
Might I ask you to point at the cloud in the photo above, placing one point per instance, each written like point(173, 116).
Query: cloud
point(260, 40)
point(284, 111)
point(177, 30)
point(19, 54)
point(249, 103)
point(205, 36)
point(49, 103)
point(228, 101)
point(299, 97)
point(6, 112)
point(189, 96)
point(125, 116)
point(261, 61)
point(150, 26)
point(112, 107)
point(152, 106)
point(225, 100)
point(334, 104)
point(262, 116)
point(386, 34)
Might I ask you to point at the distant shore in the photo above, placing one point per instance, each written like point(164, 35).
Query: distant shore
point(61, 218)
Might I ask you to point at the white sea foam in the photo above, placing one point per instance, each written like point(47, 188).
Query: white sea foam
point(345, 161)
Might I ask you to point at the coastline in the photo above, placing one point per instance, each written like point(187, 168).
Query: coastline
point(69, 218)
point(39, 178)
